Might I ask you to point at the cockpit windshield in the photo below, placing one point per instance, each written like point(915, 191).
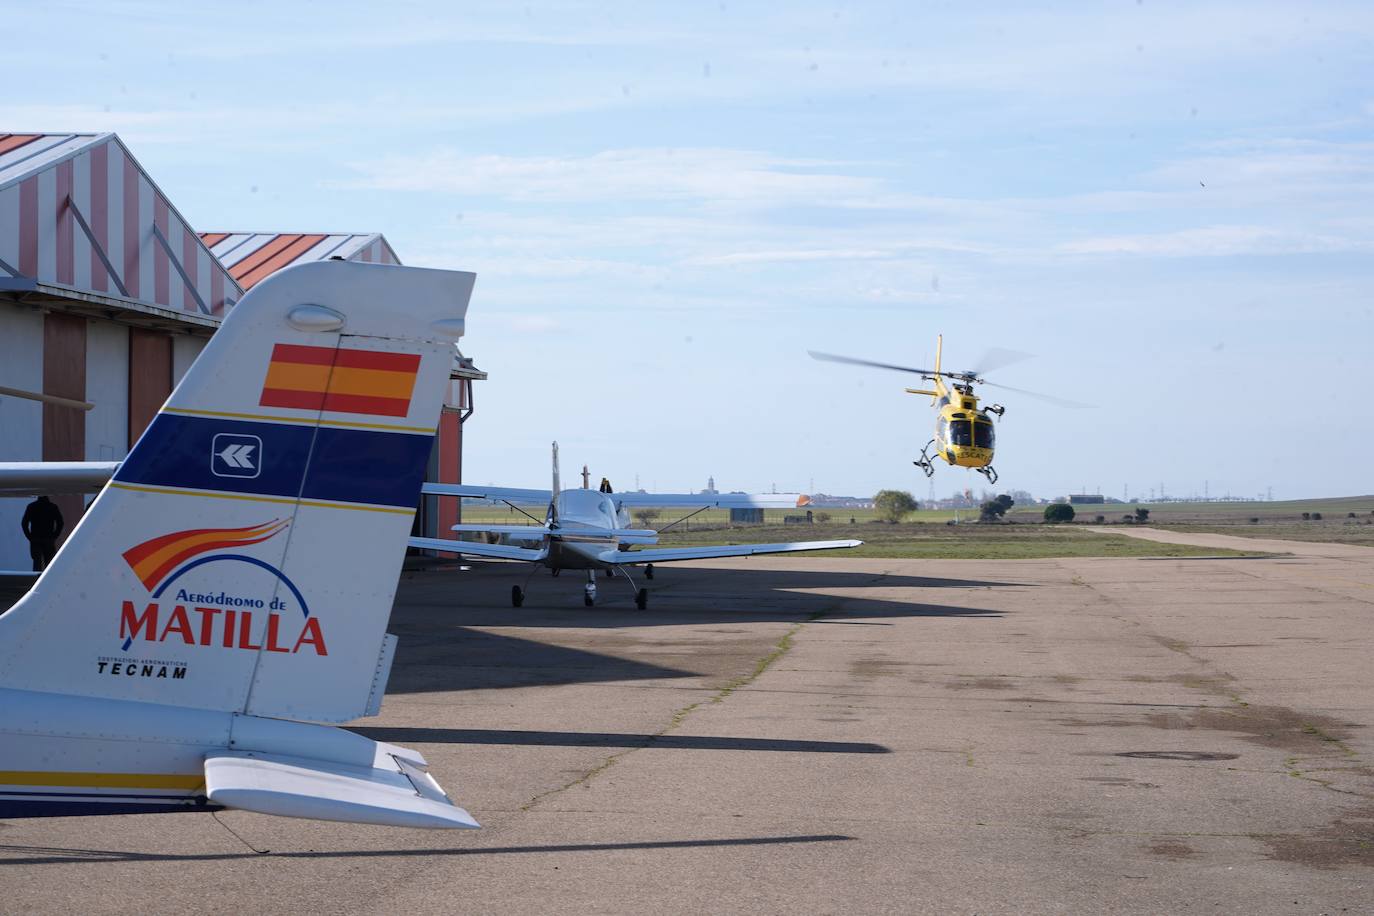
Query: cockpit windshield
point(959, 433)
point(982, 434)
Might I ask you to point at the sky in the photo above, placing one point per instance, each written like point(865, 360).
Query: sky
point(667, 204)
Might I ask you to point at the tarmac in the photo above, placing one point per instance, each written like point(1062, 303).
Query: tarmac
point(828, 735)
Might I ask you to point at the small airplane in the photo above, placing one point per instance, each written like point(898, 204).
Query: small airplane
point(226, 595)
point(964, 436)
point(590, 530)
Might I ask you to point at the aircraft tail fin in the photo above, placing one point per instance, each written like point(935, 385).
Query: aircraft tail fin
point(245, 556)
point(557, 489)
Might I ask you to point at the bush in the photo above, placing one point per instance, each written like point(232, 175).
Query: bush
point(1254, 520)
point(1101, 519)
point(822, 517)
point(1128, 519)
point(645, 516)
point(1306, 516)
point(892, 505)
point(1142, 515)
point(1058, 512)
point(1316, 516)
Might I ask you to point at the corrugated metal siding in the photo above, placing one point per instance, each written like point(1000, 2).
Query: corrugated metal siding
point(40, 236)
point(251, 256)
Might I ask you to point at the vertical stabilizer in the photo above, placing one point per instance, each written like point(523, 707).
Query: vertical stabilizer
point(245, 556)
point(557, 490)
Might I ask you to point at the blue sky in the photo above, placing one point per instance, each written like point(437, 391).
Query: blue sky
point(1171, 204)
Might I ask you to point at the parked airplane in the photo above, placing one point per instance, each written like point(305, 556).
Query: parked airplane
point(590, 530)
point(230, 586)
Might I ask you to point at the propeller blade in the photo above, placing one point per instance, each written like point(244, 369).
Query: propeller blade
point(1062, 402)
point(995, 358)
point(833, 358)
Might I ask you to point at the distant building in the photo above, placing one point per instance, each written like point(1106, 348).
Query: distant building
point(1086, 499)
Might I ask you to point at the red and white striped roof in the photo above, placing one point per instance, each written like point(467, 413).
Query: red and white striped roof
point(251, 256)
point(78, 212)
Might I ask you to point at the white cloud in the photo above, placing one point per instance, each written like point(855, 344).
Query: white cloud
point(1216, 241)
point(662, 174)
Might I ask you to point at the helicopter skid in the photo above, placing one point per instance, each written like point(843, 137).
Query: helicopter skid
point(988, 472)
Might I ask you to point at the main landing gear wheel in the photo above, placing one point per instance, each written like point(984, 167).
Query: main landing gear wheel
point(648, 570)
point(642, 598)
point(517, 596)
point(589, 590)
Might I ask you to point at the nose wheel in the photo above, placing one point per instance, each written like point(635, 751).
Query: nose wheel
point(589, 590)
point(517, 596)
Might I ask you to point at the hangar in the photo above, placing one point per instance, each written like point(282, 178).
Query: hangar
point(107, 294)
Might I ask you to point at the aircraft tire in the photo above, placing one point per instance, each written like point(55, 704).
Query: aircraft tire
point(588, 600)
point(648, 570)
point(517, 596)
point(642, 599)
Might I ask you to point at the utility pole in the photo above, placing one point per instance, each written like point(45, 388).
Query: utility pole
point(586, 478)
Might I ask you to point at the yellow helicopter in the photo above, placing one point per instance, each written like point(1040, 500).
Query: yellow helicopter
point(964, 436)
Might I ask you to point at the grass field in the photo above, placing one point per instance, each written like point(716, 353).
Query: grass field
point(925, 541)
point(925, 534)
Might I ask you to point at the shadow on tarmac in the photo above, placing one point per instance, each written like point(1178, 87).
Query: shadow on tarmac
point(54, 855)
point(611, 739)
point(480, 596)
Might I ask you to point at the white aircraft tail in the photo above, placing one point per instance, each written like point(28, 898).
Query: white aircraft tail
point(245, 556)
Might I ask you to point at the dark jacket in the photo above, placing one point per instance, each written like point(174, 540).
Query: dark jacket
point(42, 521)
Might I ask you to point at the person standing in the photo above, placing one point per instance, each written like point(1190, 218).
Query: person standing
point(42, 524)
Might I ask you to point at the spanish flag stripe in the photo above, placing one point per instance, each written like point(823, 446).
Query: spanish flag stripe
point(376, 382)
point(357, 403)
point(298, 376)
point(295, 353)
point(376, 359)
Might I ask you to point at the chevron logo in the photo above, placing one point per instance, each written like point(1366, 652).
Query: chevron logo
point(235, 455)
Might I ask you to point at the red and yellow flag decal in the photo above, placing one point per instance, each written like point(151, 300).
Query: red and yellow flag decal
point(343, 381)
point(152, 560)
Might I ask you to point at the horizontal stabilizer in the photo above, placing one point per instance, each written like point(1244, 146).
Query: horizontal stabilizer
point(25, 478)
point(504, 494)
point(478, 549)
point(395, 792)
point(714, 500)
point(512, 532)
point(669, 554)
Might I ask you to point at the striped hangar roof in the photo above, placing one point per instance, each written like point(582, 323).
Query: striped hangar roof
point(21, 154)
point(251, 256)
point(80, 218)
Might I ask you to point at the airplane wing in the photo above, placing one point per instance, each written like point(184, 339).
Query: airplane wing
point(512, 532)
point(396, 790)
point(669, 554)
point(24, 478)
point(477, 549)
point(713, 500)
point(507, 494)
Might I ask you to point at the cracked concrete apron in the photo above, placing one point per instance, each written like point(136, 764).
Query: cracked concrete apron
point(822, 735)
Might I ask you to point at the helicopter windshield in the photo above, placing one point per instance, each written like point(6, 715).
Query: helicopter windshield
point(982, 434)
point(959, 433)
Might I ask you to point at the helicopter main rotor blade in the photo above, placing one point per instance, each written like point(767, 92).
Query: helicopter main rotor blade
point(995, 358)
point(1061, 402)
point(833, 358)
